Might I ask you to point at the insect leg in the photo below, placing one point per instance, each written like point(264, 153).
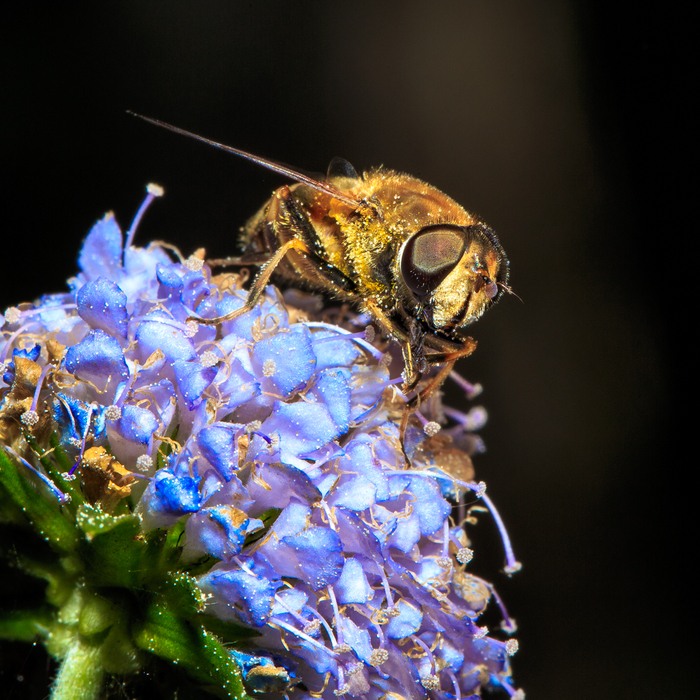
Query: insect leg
point(240, 260)
point(447, 359)
point(259, 283)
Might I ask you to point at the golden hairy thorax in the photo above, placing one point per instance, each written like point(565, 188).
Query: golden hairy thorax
point(362, 243)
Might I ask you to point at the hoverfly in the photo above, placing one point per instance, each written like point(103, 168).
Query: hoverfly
point(408, 255)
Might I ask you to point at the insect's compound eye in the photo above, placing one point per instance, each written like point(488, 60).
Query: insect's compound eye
point(430, 255)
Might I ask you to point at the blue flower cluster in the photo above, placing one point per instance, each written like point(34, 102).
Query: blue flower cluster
point(276, 438)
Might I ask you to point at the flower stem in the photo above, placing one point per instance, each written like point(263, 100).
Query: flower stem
point(81, 673)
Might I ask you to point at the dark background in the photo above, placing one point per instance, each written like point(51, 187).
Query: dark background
point(558, 122)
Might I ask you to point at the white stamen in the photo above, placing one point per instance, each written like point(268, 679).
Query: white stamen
point(12, 315)
point(464, 555)
point(431, 428)
point(155, 190)
point(208, 358)
point(144, 463)
point(30, 418)
point(113, 412)
point(269, 368)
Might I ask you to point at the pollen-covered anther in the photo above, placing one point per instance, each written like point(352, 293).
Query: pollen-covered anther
point(342, 690)
point(444, 562)
point(431, 682)
point(513, 568)
point(481, 632)
point(464, 555)
point(509, 626)
point(30, 418)
point(481, 489)
point(208, 358)
point(312, 627)
point(113, 412)
point(155, 190)
point(12, 315)
point(269, 368)
point(378, 657)
point(144, 463)
point(194, 263)
point(191, 328)
point(512, 646)
point(370, 333)
point(431, 428)
point(75, 442)
point(342, 649)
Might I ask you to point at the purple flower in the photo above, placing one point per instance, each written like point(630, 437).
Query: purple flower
point(278, 444)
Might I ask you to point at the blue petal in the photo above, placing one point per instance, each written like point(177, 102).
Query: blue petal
point(287, 359)
point(219, 531)
point(250, 596)
point(430, 507)
point(136, 424)
point(332, 388)
point(101, 253)
point(175, 494)
point(98, 357)
point(239, 386)
point(314, 556)
point(28, 353)
point(158, 331)
point(57, 319)
point(168, 276)
point(102, 304)
point(274, 485)
point(295, 518)
point(76, 419)
point(357, 638)
point(360, 458)
point(352, 586)
point(303, 427)
point(403, 532)
point(354, 492)
point(192, 379)
point(217, 444)
point(334, 353)
point(408, 621)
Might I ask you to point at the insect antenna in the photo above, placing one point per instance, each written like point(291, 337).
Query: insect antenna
point(506, 288)
point(269, 164)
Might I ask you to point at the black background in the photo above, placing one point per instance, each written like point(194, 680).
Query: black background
point(558, 122)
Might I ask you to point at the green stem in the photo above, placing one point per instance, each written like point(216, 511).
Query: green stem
point(81, 673)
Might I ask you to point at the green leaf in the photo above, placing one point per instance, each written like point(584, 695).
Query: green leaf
point(45, 516)
point(113, 549)
point(229, 632)
point(118, 652)
point(97, 614)
point(26, 625)
point(162, 552)
point(57, 465)
point(189, 646)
